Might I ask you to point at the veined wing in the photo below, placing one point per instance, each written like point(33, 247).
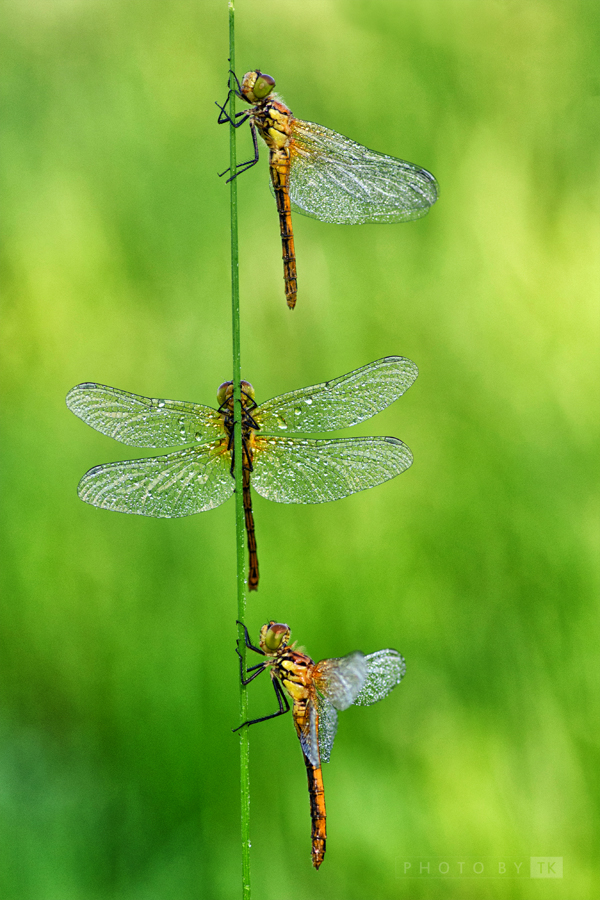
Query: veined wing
point(328, 722)
point(143, 421)
point(368, 679)
point(309, 735)
point(385, 669)
point(334, 179)
point(340, 680)
point(176, 484)
point(338, 683)
point(290, 470)
point(339, 403)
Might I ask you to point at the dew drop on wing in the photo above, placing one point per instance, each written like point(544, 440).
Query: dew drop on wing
point(198, 436)
point(160, 404)
point(202, 478)
point(297, 411)
point(308, 401)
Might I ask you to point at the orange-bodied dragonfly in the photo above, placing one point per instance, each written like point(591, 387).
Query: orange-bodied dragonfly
point(281, 468)
point(317, 691)
point(320, 173)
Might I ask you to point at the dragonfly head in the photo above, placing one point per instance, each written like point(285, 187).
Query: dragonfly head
point(225, 392)
point(274, 636)
point(256, 86)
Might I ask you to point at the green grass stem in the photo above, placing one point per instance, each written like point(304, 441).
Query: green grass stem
point(237, 442)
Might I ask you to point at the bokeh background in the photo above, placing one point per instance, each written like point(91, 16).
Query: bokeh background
point(118, 768)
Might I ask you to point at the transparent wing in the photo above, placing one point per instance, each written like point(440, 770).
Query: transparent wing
point(337, 180)
point(339, 403)
point(311, 471)
point(328, 721)
point(309, 739)
point(142, 421)
point(340, 680)
point(385, 669)
point(176, 484)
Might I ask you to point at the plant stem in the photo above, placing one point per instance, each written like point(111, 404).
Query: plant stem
point(237, 445)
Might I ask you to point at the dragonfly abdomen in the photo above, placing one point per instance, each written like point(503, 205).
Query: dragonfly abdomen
point(316, 793)
point(280, 170)
point(250, 532)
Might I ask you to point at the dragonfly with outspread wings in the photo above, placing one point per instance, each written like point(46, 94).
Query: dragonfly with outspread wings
point(317, 692)
point(280, 467)
point(320, 173)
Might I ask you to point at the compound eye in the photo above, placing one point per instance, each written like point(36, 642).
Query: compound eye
point(263, 85)
point(276, 635)
point(224, 391)
point(247, 389)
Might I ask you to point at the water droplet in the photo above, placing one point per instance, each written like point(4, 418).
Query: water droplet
point(198, 436)
point(160, 404)
point(297, 411)
point(202, 478)
point(309, 401)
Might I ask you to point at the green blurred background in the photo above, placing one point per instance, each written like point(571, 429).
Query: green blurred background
point(118, 767)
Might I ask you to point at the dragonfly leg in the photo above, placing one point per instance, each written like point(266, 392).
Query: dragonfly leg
point(237, 81)
point(244, 166)
point(250, 403)
point(224, 116)
point(255, 670)
point(284, 707)
point(246, 455)
point(247, 640)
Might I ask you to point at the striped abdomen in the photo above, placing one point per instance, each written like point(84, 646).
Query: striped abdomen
point(249, 520)
point(316, 793)
point(301, 674)
point(280, 172)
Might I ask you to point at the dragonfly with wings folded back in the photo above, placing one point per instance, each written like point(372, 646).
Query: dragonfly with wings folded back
point(320, 173)
point(283, 468)
point(318, 691)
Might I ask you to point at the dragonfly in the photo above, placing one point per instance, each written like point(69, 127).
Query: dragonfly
point(322, 174)
point(280, 467)
point(318, 691)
